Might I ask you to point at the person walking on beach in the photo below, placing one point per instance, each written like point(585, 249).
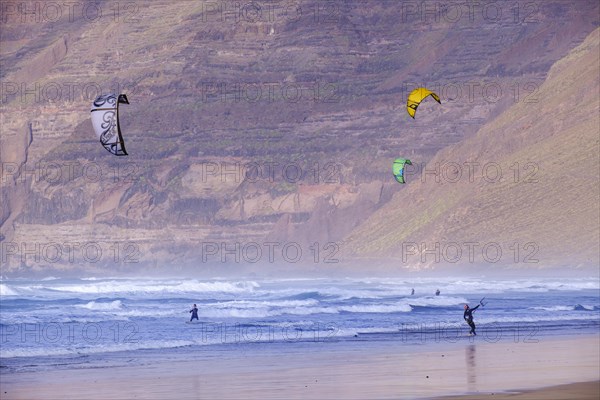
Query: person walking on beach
point(468, 316)
point(194, 312)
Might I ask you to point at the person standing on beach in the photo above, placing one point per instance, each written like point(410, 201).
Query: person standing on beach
point(468, 316)
point(194, 312)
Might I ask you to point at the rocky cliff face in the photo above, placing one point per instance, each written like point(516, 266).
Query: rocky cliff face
point(523, 191)
point(246, 125)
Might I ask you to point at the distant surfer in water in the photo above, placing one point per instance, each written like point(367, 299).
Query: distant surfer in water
point(412, 292)
point(468, 316)
point(194, 312)
point(437, 292)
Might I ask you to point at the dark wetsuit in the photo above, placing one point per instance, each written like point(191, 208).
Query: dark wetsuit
point(468, 316)
point(194, 312)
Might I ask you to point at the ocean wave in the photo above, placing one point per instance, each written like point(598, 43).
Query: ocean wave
point(484, 286)
point(306, 296)
point(308, 311)
point(262, 303)
point(540, 318)
point(382, 289)
point(148, 313)
point(376, 330)
point(22, 319)
point(6, 290)
point(34, 352)
point(554, 308)
point(437, 301)
point(265, 312)
point(264, 309)
point(376, 308)
point(583, 307)
point(155, 287)
point(108, 348)
point(577, 307)
point(98, 306)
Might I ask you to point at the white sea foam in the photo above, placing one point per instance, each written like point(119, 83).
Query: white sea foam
point(484, 286)
point(390, 308)
point(144, 286)
point(437, 301)
point(263, 303)
point(102, 306)
point(6, 290)
point(104, 348)
point(378, 330)
point(555, 308)
point(309, 310)
point(541, 318)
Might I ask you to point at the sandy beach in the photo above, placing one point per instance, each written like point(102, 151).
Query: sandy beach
point(333, 370)
point(573, 391)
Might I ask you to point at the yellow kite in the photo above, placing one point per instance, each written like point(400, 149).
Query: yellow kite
point(416, 97)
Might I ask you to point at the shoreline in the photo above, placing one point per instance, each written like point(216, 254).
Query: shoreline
point(352, 370)
point(587, 390)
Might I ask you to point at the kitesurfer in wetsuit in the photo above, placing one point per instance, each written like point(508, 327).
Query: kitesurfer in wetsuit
point(468, 316)
point(194, 312)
